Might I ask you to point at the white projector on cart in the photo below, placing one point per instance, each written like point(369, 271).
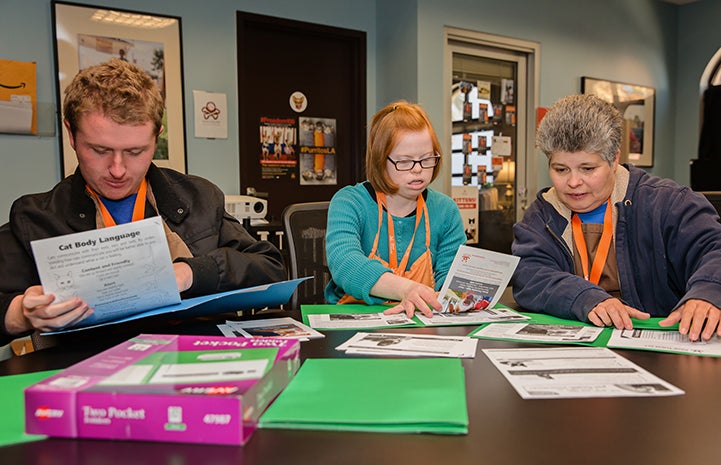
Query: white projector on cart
point(246, 206)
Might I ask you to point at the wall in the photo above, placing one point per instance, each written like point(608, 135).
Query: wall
point(699, 38)
point(645, 42)
point(32, 164)
point(614, 39)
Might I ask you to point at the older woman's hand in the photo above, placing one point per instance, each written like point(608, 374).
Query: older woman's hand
point(613, 312)
point(695, 318)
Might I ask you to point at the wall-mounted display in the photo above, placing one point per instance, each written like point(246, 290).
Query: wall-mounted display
point(636, 104)
point(86, 35)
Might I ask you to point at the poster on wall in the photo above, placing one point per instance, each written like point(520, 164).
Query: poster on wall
point(278, 152)
point(210, 114)
point(317, 151)
point(466, 197)
point(86, 35)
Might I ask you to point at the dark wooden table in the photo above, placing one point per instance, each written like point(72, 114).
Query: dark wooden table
point(504, 429)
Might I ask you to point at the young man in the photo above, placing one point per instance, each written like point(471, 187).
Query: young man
point(113, 115)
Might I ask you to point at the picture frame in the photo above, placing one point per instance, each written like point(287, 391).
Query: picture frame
point(637, 105)
point(86, 35)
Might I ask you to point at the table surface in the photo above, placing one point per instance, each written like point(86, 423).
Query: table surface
point(503, 428)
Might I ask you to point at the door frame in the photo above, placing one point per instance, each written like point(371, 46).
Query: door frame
point(493, 46)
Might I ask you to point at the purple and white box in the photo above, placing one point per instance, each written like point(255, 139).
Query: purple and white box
point(194, 389)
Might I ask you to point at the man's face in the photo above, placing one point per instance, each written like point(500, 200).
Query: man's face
point(113, 158)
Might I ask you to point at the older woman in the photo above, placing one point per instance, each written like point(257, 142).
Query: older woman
point(392, 237)
point(608, 242)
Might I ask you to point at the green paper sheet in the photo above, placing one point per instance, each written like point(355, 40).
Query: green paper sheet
point(380, 395)
point(334, 309)
point(12, 406)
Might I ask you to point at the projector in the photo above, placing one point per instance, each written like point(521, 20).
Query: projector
point(245, 206)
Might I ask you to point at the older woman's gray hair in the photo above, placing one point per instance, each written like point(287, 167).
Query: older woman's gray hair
point(581, 123)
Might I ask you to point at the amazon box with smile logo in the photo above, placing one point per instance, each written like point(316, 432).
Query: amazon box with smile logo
point(199, 389)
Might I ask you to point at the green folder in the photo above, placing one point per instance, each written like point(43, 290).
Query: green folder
point(12, 406)
point(426, 395)
point(335, 309)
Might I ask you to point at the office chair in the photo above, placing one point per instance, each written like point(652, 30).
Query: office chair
point(305, 226)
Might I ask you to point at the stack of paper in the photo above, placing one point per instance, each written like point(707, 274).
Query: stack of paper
point(410, 345)
point(381, 395)
point(352, 316)
point(270, 327)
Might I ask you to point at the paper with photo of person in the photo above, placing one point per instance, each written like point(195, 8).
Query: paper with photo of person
point(476, 280)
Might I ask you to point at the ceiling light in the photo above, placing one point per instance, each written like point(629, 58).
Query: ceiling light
point(132, 19)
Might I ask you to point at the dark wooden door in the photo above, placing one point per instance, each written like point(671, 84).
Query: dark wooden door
point(292, 77)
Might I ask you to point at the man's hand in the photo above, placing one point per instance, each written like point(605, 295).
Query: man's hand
point(183, 276)
point(36, 310)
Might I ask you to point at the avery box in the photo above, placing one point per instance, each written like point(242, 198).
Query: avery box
point(199, 389)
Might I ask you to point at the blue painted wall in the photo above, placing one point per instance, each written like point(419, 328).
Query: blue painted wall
point(645, 42)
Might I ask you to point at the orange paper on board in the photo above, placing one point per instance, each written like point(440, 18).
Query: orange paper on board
point(18, 97)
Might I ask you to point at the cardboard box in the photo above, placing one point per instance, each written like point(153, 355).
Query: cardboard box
point(193, 389)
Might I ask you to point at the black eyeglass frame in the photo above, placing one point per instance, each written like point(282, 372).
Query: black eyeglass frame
point(436, 158)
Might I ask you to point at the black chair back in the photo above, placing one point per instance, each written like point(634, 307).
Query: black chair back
point(305, 225)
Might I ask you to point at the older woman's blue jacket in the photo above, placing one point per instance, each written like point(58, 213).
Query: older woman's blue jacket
point(667, 242)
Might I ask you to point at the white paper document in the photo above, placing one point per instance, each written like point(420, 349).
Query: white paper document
point(540, 333)
point(476, 280)
point(664, 341)
point(269, 327)
point(357, 320)
point(411, 345)
point(118, 270)
point(577, 372)
point(16, 115)
point(487, 315)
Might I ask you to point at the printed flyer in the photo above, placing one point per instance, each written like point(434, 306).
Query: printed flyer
point(476, 280)
point(118, 270)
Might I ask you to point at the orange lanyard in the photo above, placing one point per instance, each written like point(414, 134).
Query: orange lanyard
point(392, 254)
point(604, 245)
point(138, 208)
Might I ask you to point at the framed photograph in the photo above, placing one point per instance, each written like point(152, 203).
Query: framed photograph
point(86, 35)
point(636, 104)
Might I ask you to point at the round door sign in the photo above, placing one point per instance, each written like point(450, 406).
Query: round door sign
point(298, 102)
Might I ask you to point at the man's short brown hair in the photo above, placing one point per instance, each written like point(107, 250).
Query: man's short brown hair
point(118, 90)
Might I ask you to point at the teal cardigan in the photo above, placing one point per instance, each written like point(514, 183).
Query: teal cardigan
point(352, 227)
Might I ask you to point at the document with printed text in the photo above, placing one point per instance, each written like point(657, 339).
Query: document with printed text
point(125, 273)
point(577, 372)
point(663, 341)
point(410, 344)
point(119, 270)
point(476, 280)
